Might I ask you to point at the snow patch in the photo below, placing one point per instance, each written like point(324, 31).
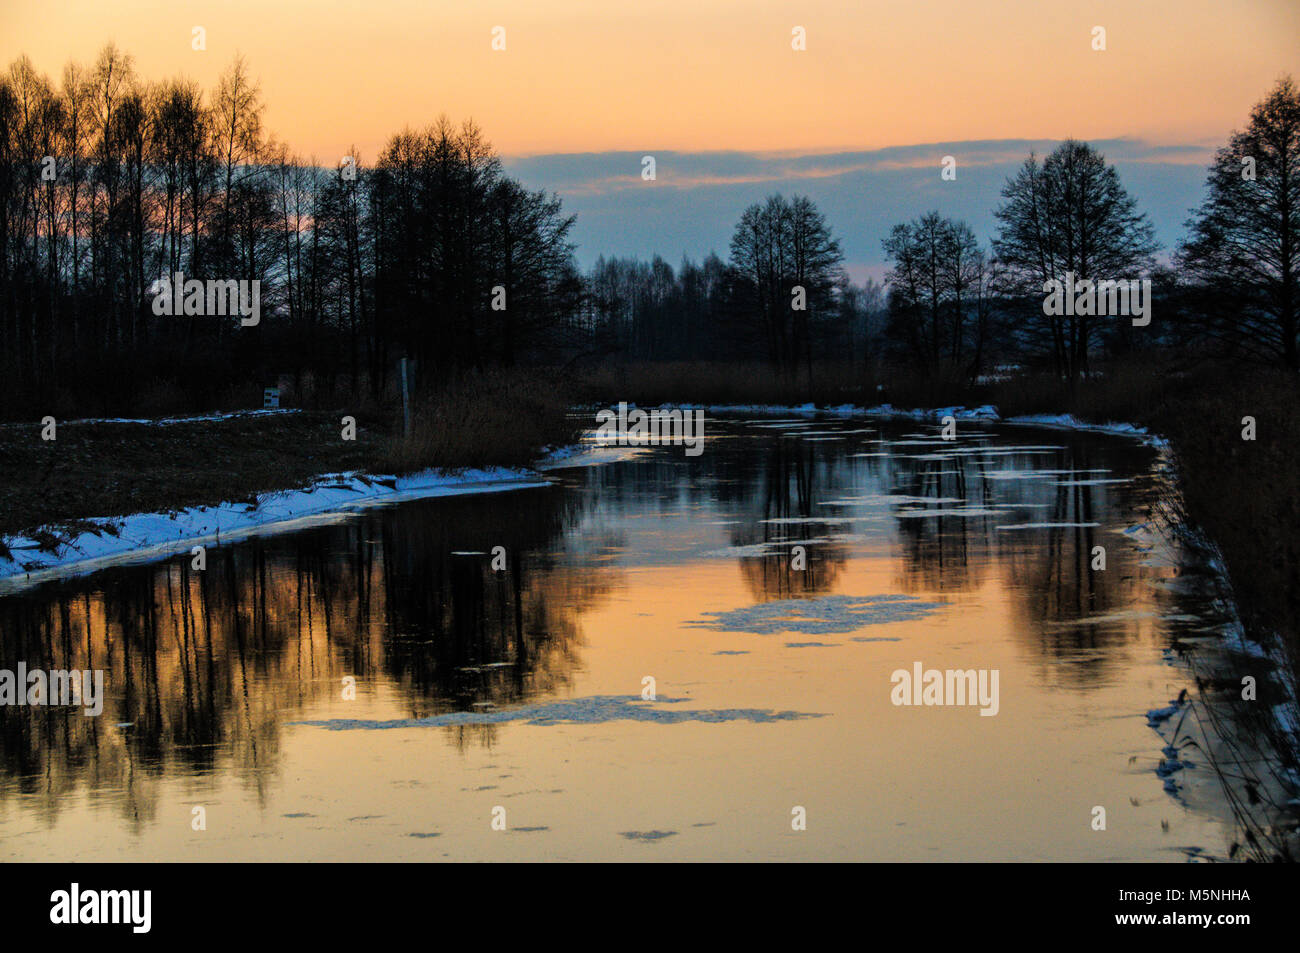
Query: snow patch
point(144, 537)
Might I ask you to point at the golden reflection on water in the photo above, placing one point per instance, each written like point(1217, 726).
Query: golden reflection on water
point(614, 575)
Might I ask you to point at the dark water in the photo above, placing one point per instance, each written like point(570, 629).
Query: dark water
point(514, 692)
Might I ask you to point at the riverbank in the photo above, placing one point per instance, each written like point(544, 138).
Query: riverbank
point(89, 468)
point(94, 490)
point(145, 536)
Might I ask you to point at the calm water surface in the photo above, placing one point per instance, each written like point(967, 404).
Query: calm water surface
point(517, 693)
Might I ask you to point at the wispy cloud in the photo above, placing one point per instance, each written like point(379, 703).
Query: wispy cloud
point(695, 198)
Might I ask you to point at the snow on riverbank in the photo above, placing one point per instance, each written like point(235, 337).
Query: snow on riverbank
point(26, 560)
point(143, 537)
point(170, 421)
point(1070, 422)
point(987, 412)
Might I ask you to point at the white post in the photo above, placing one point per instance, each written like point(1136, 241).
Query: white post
point(406, 407)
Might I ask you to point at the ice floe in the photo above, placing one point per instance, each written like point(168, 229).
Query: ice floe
point(1049, 526)
point(595, 709)
point(646, 835)
point(823, 615)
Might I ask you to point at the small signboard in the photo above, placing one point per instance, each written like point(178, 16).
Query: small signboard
point(271, 398)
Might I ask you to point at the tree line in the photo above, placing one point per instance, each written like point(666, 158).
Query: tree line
point(109, 182)
point(954, 308)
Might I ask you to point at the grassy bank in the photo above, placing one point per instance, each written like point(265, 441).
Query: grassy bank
point(482, 420)
point(98, 469)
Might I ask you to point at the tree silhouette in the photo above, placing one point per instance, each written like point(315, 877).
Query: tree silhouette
point(1241, 255)
point(1070, 214)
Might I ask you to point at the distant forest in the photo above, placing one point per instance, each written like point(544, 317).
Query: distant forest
point(109, 182)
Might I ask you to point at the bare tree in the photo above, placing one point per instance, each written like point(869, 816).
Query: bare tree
point(1243, 250)
point(1070, 214)
point(940, 293)
point(236, 129)
point(787, 266)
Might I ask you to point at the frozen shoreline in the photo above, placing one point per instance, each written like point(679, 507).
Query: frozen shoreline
point(986, 412)
point(171, 421)
point(144, 537)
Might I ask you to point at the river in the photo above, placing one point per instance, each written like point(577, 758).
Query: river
point(664, 657)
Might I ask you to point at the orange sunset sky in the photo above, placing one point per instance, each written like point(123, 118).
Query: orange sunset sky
point(594, 75)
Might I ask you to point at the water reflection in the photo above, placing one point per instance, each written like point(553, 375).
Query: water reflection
point(206, 670)
point(203, 668)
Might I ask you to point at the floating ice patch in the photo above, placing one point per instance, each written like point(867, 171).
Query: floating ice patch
point(771, 546)
point(888, 498)
point(824, 615)
point(1140, 533)
point(959, 511)
point(1049, 526)
point(1003, 450)
point(594, 710)
point(1074, 473)
point(1091, 482)
point(646, 835)
point(809, 519)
